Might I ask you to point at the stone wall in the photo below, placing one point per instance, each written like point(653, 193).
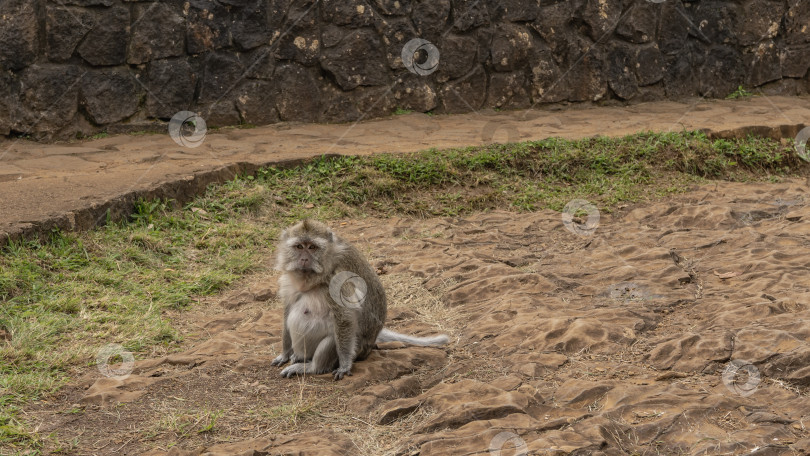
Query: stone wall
point(72, 67)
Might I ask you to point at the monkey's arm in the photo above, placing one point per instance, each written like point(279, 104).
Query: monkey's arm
point(286, 342)
point(345, 341)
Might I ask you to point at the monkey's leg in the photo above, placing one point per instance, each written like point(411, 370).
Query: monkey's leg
point(286, 345)
point(325, 358)
point(322, 362)
point(345, 344)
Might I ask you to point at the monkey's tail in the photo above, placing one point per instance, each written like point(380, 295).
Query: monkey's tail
point(386, 335)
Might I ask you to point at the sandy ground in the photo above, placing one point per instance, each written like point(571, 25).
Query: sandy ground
point(677, 327)
point(72, 186)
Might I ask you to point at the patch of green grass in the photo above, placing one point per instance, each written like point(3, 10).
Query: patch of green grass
point(65, 298)
point(521, 176)
point(739, 93)
point(401, 111)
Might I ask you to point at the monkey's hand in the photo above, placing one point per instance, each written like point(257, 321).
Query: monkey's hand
point(280, 360)
point(341, 371)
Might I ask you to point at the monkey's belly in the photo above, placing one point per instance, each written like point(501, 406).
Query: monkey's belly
point(308, 327)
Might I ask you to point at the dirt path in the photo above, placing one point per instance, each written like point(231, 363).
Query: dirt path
point(72, 186)
point(677, 327)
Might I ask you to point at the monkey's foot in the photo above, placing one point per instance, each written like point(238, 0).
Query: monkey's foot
point(293, 370)
point(280, 360)
point(294, 359)
point(340, 372)
point(301, 369)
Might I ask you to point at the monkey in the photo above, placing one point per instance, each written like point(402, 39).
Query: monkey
point(324, 329)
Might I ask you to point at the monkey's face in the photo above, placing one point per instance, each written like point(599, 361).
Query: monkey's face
point(306, 257)
point(304, 248)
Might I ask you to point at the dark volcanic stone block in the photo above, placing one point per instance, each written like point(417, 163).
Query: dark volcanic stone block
point(674, 25)
point(638, 24)
point(514, 10)
point(171, 87)
point(9, 101)
point(356, 61)
point(508, 91)
point(797, 24)
point(679, 78)
point(763, 64)
point(649, 65)
point(465, 94)
point(298, 94)
point(796, 61)
point(207, 26)
point(106, 42)
point(353, 13)
point(157, 33)
point(394, 7)
point(601, 17)
point(48, 97)
point(222, 72)
point(396, 31)
point(469, 14)
point(64, 29)
point(109, 95)
point(457, 55)
point(19, 31)
point(511, 47)
point(301, 41)
point(586, 78)
point(256, 101)
point(430, 18)
point(415, 93)
point(715, 21)
point(548, 83)
point(250, 27)
point(721, 72)
point(621, 72)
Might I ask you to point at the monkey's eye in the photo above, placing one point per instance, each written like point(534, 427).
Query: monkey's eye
point(313, 247)
point(299, 246)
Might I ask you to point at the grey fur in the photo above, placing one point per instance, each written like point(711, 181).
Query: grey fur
point(320, 335)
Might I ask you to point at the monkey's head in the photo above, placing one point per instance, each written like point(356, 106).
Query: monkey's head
point(307, 248)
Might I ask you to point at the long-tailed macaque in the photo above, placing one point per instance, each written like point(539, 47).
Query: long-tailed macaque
point(334, 304)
